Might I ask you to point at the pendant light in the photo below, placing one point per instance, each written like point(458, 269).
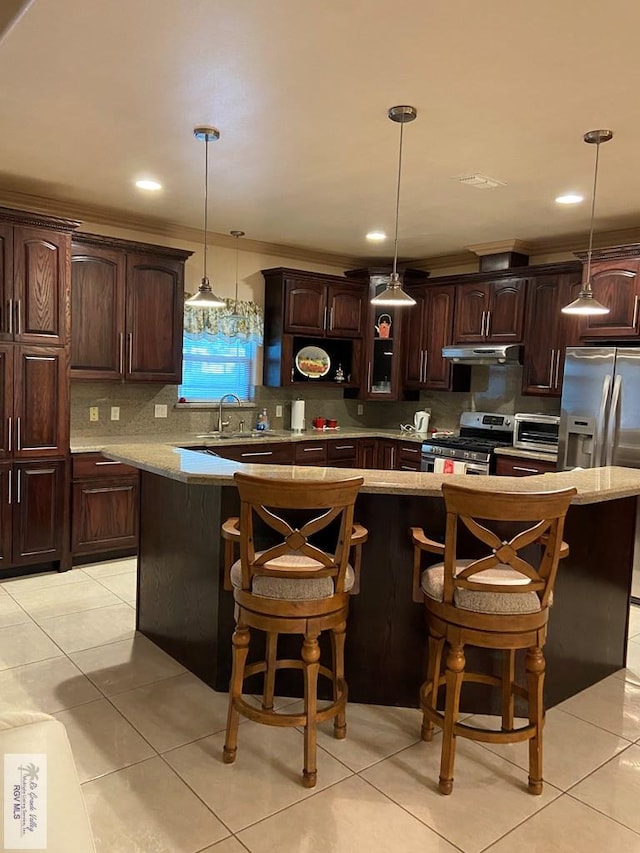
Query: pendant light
point(205, 297)
point(231, 323)
point(586, 303)
point(394, 295)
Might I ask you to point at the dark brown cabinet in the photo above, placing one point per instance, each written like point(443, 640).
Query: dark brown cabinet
point(342, 453)
point(428, 328)
point(127, 310)
point(616, 284)
point(34, 292)
point(548, 332)
point(104, 511)
point(408, 456)
point(387, 454)
point(516, 466)
point(489, 312)
point(276, 454)
point(319, 308)
point(310, 452)
point(367, 453)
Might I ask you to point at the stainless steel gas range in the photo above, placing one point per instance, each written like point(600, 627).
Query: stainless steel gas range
point(480, 434)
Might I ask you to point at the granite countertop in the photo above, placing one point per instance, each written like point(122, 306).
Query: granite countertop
point(95, 444)
point(527, 454)
point(187, 466)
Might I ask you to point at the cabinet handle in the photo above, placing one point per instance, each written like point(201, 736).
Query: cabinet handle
point(369, 376)
point(487, 331)
point(108, 463)
point(19, 495)
point(345, 447)
point(331, 319)
point(482, 324)
point(426, 362)
point(10, 442)
point(409, 450)
point(552, 359)
point(312, 449)
point(130, 337)
point(635, 311)
point(421, 371)
point(10, 484)
point(324, 322)
point(393, 458)
point(10, 314)
point(259, 453)
point(18, 444)
point(18, 317)
point(557, 382)
point(528, 470)
point(121, 360)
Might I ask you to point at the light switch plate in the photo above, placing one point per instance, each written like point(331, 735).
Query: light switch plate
point(160, 411)
point(94, 413)
point(115, 413)
point(278, 411)
point(360, 409)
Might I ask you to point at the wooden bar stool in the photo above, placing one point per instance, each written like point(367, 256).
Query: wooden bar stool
point(499, 600)
point(292, 586)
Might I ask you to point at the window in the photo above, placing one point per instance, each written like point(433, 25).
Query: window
point(213, 366)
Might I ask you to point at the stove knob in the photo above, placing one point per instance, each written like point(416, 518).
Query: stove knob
point(466, 454)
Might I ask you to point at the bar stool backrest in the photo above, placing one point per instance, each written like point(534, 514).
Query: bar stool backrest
point(294, 555)
point(539, 518)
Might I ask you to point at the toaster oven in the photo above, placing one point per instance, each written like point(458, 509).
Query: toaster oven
point(536, 432)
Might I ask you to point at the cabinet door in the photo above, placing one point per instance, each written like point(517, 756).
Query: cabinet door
point(472, 302)
point(515, 466)
point(104, 515)
point(41, 402)
point(41, 286)
point(6, 511)
point(387, 454)
point(6, 401)
point(415, 340)
point(346, 310)
point(542, 339)
point(97, 313)
point(367, 453)
point(504, 320)
point(305, 310)
point(439, 331)
point(6, 281)
point(38, 511)
point(154, 322)
point(615, 284)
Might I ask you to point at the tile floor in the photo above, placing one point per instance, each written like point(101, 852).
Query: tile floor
point(147, 739)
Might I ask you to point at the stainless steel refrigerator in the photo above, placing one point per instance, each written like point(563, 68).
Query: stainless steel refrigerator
point(600, 415)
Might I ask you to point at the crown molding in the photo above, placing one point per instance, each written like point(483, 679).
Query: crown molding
point(499, 246)
point(113, 218)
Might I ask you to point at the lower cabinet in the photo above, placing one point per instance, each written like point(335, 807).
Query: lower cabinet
point(408, 456)
point(33, 516)
point(104, 506)
point(521, 466)
point(342, 453)
point(367, 453)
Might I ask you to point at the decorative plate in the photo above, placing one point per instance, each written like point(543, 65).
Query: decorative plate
point(313, 362)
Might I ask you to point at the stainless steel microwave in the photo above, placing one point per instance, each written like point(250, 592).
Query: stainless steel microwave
point(536, 432)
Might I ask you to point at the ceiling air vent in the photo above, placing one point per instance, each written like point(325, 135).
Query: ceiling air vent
point(480, 182)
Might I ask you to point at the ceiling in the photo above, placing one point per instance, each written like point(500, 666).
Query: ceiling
point(98, 93)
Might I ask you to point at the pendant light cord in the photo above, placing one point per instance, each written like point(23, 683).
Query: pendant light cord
point(395, 241)
point(593, 212)
point(236, 305)
point(206, 202)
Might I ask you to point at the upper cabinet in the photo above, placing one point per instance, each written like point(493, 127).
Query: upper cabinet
point(127, 310)
point(319, 316)
point(548, 331)
point(34, 279)
point(616, 284)
point(489, 312)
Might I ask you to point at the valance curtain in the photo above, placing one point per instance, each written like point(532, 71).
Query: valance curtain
point(241, 320)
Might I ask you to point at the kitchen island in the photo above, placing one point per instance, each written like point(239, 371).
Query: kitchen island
point(183, 608)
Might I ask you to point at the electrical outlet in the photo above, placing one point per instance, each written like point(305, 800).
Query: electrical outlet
point(160, 411)
point(115, 413)
point(94, 413)
point(360, 409)
point(278, 411)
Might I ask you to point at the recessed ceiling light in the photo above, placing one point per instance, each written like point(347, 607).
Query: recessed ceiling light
point(376, 236)
point(147, 184)
point(569, 198)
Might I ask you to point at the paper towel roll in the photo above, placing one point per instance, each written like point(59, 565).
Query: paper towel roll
point(297, 415)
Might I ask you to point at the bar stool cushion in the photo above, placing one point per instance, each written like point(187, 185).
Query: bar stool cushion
point(432, 584)
point(291, 589)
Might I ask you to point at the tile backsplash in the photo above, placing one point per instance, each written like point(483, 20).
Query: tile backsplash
point(492, 389)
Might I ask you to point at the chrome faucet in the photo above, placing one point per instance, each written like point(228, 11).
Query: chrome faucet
point(222, 424)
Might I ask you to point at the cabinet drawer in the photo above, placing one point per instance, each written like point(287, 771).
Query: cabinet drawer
point(310, 453)
point(515, 466)
point(345, 449)
point(91, 465)
point(409, 452)
point(276, 454)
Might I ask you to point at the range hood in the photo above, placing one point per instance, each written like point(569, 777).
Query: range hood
point(483, 354)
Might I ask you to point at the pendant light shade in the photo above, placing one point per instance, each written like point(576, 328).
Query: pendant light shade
point(394, 295)
point(205, 297)
point(586, 304)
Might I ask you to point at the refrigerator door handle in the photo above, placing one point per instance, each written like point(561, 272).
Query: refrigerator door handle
point(613, 417)
point(600, 432)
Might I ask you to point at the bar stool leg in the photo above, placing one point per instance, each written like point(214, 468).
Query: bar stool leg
point(429, 693)
point(240, 642)
point(338, 636)
point(535, 666)
point(454, 676)
point(311, 659)
point(270, 674)
point(508, 676)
